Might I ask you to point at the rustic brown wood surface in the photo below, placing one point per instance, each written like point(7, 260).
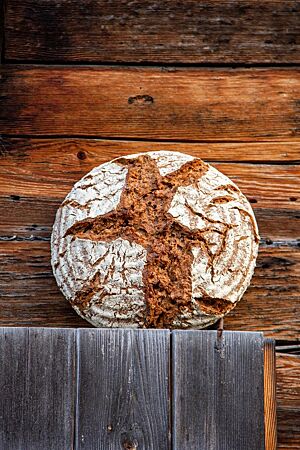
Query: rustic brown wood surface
point(270, 395)
point(88, 151)
point(245, 121)
point(32, 187)
point(150, 103)
point(149, 30)
point(288, 401)
point(30, 295)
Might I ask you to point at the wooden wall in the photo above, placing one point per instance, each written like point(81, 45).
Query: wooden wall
point(83, 82)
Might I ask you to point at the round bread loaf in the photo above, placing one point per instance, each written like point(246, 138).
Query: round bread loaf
point(158, 239)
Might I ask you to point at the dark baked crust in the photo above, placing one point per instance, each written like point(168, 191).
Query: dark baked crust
point(143, 216)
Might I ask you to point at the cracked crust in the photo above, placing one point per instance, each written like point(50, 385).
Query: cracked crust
point(158, 239)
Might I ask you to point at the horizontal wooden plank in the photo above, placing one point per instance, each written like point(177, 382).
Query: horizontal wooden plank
point(288, 429)
point(288, 400)
point(147, 30)
point(275, 287)
point(260, 183)
point(288, 381)
point(181, 104)
point(30, 296)
point(272, 302)
point(80, 152)
point(35, 176)
point(27, 217)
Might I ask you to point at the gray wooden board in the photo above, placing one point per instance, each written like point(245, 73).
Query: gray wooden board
point(218, 391)
point(123, 383)
point(121, 391)
point(37, 389)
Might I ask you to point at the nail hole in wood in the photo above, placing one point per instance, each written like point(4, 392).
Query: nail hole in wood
point(141, 100)
point(15, 197)
point(81, 155)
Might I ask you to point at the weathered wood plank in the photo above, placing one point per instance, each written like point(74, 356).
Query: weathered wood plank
point(35, 177)
point(288, 429)
point(37, 389)
point(26, 217)
point(288, 400)
point(261, 183)
point(288, 381)
point(270, 395)
point(181, 104)
point(34, 180)
point(82, 151)
point(30, 296)
point(123, 398)
point(145, 30)
point(218, 390)
point(2, 31)
point(13, 341)
point(276, 277)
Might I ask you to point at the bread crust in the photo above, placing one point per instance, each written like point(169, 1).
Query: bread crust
point(154, 240)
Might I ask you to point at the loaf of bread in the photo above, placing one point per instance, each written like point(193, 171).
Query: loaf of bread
point(154, 240)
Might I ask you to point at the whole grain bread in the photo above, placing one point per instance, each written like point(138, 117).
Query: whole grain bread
point(158, 239)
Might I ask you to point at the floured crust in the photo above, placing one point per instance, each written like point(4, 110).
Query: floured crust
point(158, 239)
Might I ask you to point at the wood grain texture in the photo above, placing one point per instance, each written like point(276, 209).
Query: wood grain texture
point(270, 395)
point(123, 398)
point(146, 30)
point(2, 15)
point(288, 375)
point(288, 400)
point(30, 296)
point(168, 104)
point(96, 151)
point(179, 104)
point(36, 407)
point(30, 217)
point(218, 390)
point(36, 175)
